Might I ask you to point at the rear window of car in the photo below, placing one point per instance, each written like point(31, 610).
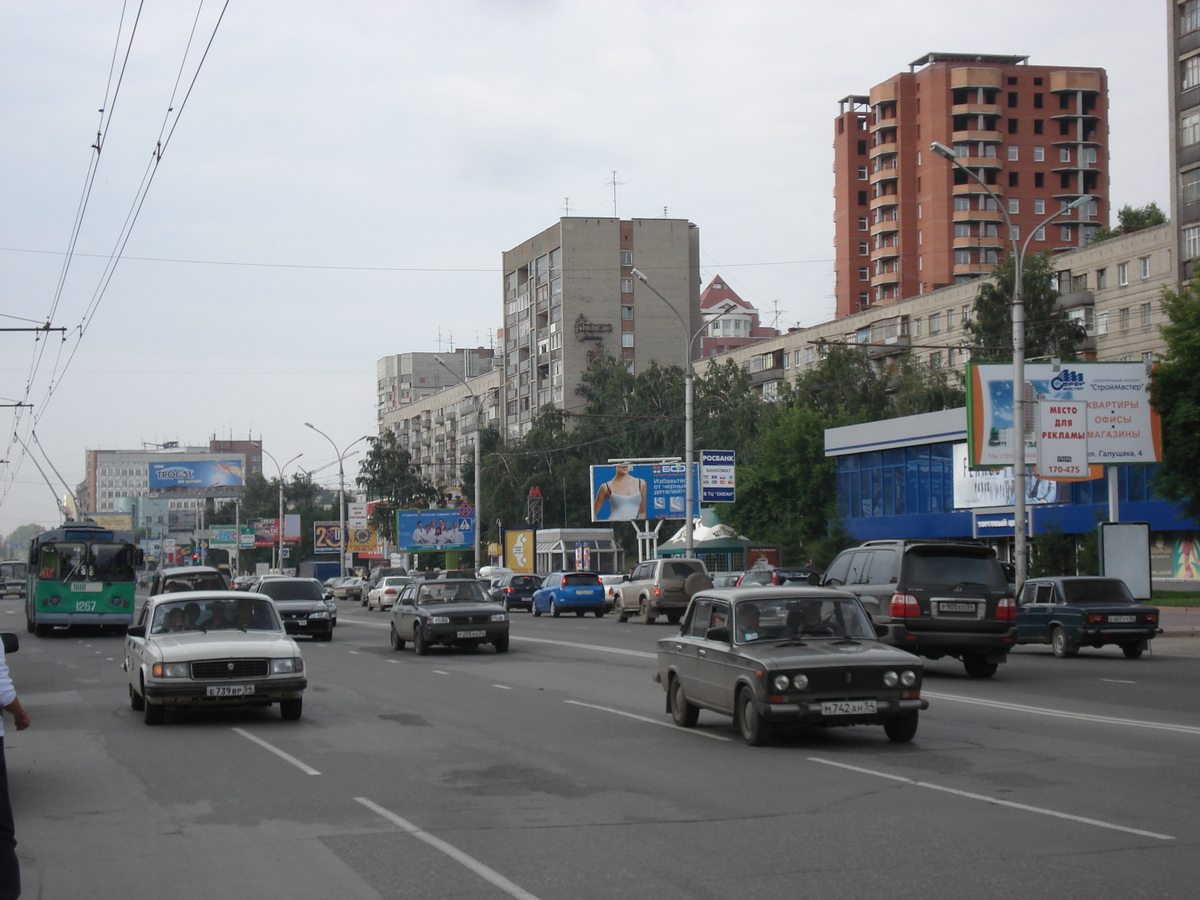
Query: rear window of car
point(1109, 591)
point(762, 576)
point(525, 581)
point(939, 568)
point(291, 590)
point(682, 569)
point(581, 579)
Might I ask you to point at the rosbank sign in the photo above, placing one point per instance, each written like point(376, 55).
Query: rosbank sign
point(1121, 425)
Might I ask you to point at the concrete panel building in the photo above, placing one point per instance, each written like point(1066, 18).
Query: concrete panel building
point(404, 378)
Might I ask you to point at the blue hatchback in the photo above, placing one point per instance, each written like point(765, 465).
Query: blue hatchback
point(577, 592)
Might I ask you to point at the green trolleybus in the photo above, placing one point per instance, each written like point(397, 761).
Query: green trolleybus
point(81, 574)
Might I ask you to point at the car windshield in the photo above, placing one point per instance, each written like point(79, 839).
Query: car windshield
point(451, 592)
point(1108, 590)
point(793, 618)
point(756, 576)
point(941, 569)
point(291, 590)
point(244, 613)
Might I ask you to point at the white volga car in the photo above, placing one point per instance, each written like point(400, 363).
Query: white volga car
point(212, 648)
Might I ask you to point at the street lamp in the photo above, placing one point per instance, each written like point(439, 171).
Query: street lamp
point(341, 458)
point(478, 487)
point(1020, 542)
point(280, 469)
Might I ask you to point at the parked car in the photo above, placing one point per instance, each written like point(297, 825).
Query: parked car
point(660, 587)
point(772, 656)
point(725, 579)
point(301, 605)
point(453, 612)
point(611, 586)
point(1081, 611)
point(514, 591)
point(577, 592)
point(187, 578)
point(235, 652)
point(933, 598)
point(384, 594)
point(774, 575)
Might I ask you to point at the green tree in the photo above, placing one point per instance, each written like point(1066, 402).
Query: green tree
point(1177, 400)
point(844, 385)
point(1048, 330)
point(387, 475)
point(918, 387)
point(22, 535)
point(1131, 219)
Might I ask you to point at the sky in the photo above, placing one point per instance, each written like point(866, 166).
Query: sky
point(336, 182)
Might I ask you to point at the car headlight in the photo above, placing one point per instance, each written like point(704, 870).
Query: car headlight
point(287, 666)
point(439, 620)
point(908, 678)
point(780, 682)
point(890, 679)
point(323, 614)
point(499, 617)
point(170, 670)
point(800, 682)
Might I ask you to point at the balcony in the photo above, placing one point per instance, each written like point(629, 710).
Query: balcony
point(883, 175)
point(978, 215)
point(976, 77)
point(885, 227)
point(885, 200)
point(885, 278)
point(974, 241)
point(892, 346)
point(981, 162)
point(975, 109)
point(883, 148)
point(994, 137)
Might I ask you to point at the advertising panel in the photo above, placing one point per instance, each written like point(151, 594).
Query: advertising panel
point(995, 488)
point(192, 474)
point(436, 529)
point(226, 536)
point(1062, 439)
point(1122, 426)
point(518, 551)
point(648, 491)
point(718, 476)
point(327, 538)
point(266, 531)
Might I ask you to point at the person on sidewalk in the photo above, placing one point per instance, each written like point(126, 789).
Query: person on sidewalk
point(10, 869)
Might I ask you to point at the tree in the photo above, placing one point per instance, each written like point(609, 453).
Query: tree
point(1131, 219)
point(1048, 330)
point(1177, 401)
point(918, 387)
point(23, 534)
point(843, 385)
point(387, 475)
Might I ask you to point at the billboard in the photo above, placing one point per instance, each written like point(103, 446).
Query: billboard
point(1122, 427)
point(327, 538)
point(994, 488)
point(518, 550)
point(266, 531)
point(718, 476)
point(647, 491)
point(436, 529)
point(193, 474)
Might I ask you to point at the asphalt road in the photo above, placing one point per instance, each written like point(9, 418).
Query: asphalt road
point(553, 772)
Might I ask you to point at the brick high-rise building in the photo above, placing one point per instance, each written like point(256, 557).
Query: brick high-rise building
point(1183, 29)
point(908, 222)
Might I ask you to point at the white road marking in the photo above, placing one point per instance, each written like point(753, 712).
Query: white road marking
point(1117, 681)
point(629, 715)
point(440, 672)
point(994, 801)
point(306, 769)
point(485, 872)
point(1064, 714)
point(352, 652)
point(638, 653)
point(503, 687)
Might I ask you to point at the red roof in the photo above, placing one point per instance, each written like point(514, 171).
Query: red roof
point(719, 292)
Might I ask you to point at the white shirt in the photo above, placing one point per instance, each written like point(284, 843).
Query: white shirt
point(8, 693)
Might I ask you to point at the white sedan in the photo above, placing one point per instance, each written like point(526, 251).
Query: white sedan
point(212, 648)
point(384, 594)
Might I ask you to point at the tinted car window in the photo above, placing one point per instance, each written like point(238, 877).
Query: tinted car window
point(291, 590)
point(681, 569)
point(949, 569)
point(882, 567)
point(451, 592)
point(1109, 591)
point(837, 571)
point(700, 615)
point(580, 579)
point(524, 581)
point(858, 567)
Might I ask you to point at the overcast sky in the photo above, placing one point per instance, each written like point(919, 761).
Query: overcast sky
point(343, 176)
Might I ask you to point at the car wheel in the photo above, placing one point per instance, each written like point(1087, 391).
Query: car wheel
point(536, 612)
point(507, 606)
point(756, 731)
point(600, 614)
point(41, 630)
point(553, 608)
point(1132, 650)
point(977, 665)
point(136, 701)
point(1063, 646)
point(328, 636)
point(501, 644)
point(153, 713)
point(683, 712)
point(901, 729)
point(28, 623)
point(644, 608)
point(419, 642)
point(292, 709)
point(396, 640)
point(622, 616)
point(674, 618)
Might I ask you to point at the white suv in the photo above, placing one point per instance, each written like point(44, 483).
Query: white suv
point(660, 587)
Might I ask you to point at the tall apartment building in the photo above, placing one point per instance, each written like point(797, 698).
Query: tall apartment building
point(404, 378)
point(570, 298)
point(1183, 29)
point(907, 221)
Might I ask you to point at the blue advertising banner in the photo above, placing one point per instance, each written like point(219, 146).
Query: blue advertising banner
point(191, 474)
point(718, 476)
point(436, 529)
point(651, 491)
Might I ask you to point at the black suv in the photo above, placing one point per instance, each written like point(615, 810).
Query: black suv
point(933, 598)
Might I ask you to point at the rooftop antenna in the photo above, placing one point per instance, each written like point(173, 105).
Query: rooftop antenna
point(665, 213)
point(566, 206)
point(613, 184)
point(439, 339)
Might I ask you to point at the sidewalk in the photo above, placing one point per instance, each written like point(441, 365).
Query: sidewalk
point(1179, 621)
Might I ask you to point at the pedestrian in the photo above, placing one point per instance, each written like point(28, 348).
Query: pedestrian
point(10, 869)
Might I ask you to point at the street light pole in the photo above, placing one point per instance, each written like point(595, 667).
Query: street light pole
point(341, 459)
point(280, 469)
point(1020, 537)
point(478, 487)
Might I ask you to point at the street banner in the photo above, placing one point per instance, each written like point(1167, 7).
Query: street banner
point(192, 474)
point(436, 529)
point(718, 476)
point(327, 538)
point(230, 536)
point(646, 491)
point(996, 488)
point(519, 551)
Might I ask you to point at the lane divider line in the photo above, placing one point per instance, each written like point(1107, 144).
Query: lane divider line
point(287, 757)
point(487, 873)
point(1024, 807)
point(641, 654)
point(629, 715)
point(1064, 714)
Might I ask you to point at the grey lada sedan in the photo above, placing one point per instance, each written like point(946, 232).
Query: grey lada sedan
point(776, 656)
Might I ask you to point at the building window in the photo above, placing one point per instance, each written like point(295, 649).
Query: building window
point(949, 320)
point(1014, 205)
point(1146, 315)
point(1064, 233)
point(864, 273)
point(962, 230)
point(1191, 240)
point(863, 249)
point(1189, 183)
point(862, 173)
point(627, 257)
point(1144, 266)
point(862, 223)
point(626, 285)
point(1102, 323)
point(864, 299)
point(1101, 279)
point(1189, 16)
point(1039, 207)
point(1122, 274)
point(962, 204)
point(1013, 154)
point(1039, 179)
point(1039, 154)
point(966, 315)
point(1124, 314)
point(935, 360)
point(627, 313)
point(1014, 232)
point(1064, 154)
point(627, 339)
point(962, 257)
point(1191, 72)
point(935, 323)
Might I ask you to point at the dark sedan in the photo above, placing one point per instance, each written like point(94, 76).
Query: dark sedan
point(515, 591)
point(1081, 611)
point(775, 656)
point(301, 605)
point(451, 611)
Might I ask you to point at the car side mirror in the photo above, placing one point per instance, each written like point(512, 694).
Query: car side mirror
point(814, 578)
point(12, 643)
point(136, 631)
point(717, 634)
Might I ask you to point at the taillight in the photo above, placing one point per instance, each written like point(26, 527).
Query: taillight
point(1006, 610)
point(1151, 618)
point(564, 581)
point(905, 606)
point(508, 591)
